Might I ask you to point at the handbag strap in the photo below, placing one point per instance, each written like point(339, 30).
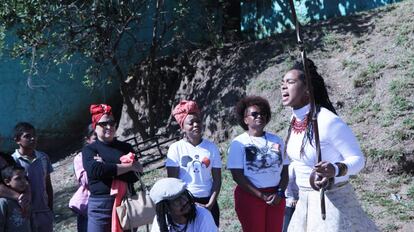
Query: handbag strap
point(143, 186)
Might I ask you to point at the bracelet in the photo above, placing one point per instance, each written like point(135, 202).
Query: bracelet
point(336, 169)
point(343, 169)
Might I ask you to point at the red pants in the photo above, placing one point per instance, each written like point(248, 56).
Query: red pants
point(257, 216)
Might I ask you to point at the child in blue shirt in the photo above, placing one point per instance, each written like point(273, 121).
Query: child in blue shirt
point(38, 168)
point(12, 217)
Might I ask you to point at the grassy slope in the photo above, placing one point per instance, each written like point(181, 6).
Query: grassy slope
point(368, 63)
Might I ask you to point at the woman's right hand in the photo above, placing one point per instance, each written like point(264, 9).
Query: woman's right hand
point(271, 198)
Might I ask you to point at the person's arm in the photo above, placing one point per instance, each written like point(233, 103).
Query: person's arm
point(49, 191)
point(99, 170)
point(292, 190)
point(24, 199)
point(128, 167)
point(80, 172)
point(3, 215)
point(172, 162)
point(8, 192)
point(284, 178)
point(345, 142)
point(127, 171)
point(215, 189)
point(245, 184)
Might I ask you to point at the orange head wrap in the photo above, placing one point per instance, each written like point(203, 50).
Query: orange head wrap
point(97, 111)
point(183, 109)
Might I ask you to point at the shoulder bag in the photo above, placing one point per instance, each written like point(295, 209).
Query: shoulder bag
point(136, 210)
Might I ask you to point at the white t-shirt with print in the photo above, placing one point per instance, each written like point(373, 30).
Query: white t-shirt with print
point(261, 158)
point(195, 163)
point(203, 222)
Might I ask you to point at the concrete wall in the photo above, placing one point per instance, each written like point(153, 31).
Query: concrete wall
point(262, 18)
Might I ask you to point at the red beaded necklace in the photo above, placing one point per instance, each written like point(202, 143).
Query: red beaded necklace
point(299, 126)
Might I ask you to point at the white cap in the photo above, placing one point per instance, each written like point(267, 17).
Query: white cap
point(167, 189)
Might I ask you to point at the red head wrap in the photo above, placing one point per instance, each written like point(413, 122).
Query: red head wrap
point(97, 111)
point(183, 109)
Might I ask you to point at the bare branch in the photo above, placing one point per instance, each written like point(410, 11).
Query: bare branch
point(32, 67)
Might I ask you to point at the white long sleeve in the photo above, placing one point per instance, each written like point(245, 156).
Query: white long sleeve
point(338, 144)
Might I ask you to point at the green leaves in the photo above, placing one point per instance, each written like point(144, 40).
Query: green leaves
point(109, 35)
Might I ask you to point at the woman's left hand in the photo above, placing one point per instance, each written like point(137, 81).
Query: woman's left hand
point(325, 171)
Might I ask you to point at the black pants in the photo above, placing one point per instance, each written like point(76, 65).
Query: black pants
point(215, 211)
point(288, 215)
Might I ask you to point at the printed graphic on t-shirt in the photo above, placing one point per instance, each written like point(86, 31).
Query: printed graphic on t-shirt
point(263, 160)
point(196, 164)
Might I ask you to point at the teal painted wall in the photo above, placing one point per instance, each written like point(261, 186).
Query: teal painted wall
point(262, 18)
point(59, 110)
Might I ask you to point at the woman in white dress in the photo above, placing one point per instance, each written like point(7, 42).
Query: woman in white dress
point(341, 157)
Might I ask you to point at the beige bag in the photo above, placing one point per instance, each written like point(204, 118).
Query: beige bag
point(136, 210)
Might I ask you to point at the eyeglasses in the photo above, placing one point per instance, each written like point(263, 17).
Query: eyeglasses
point(107, 123)
point(256, 114)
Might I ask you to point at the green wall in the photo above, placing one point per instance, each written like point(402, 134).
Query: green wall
point(58, 107)
point(262, 18)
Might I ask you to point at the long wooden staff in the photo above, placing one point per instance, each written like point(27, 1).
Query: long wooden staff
point(313, 110)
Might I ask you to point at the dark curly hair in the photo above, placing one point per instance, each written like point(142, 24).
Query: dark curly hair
point(248, 101)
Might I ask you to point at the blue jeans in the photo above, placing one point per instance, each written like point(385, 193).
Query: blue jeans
point(288, 215)
point(100, 213)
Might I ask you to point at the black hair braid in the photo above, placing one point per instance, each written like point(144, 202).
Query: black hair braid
point(161, 210)
point(319, 88)
point(164, 218)
point(288, 137)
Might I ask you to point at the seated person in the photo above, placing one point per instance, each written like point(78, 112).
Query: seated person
point(176, 210)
